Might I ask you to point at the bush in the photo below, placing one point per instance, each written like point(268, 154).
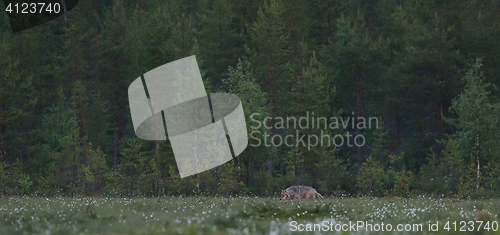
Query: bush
point(372, 178)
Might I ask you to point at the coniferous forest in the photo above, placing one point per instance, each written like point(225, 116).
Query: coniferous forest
point(423, 72)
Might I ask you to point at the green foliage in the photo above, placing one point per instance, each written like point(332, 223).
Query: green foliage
point(294, 163)
point(470, 185)
point(25, 183)
point(16, 98)
point(477, 123)
point(242, 82)
point(3, 175)
point(219, 39)
point(348, 60)
point(132, 162)
point(431, 179)
point(268, 51)
point(491, 176)
point(156, 33)
point(93, 171)
point(255, 215)
point(175, 180)
point(380, 146)
point(230, 184)
point(451, 167)
point(336, 175)
point(403, 182)
point(65, 124)
point(371, 177)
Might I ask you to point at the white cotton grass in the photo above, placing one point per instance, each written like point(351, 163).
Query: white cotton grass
point(215, 215)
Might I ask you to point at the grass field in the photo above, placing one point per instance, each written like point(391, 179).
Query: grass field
point(240, 215)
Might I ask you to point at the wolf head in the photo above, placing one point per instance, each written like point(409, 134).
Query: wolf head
point(284, 195)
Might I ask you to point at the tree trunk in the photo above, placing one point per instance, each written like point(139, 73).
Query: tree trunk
point(271, 79)
point(293, 44)
point(478, 164)
point(131, 182)
point(358, 131)
point(248, 169)
point(117, 113)
point(271, 89)
point(328, 14)
point(220, 40)
point(4, 126)
point(303, 111)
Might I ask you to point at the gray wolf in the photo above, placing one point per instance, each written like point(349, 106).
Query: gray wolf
point(299, 192)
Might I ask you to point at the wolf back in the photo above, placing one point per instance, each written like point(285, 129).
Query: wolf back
point(299, 192)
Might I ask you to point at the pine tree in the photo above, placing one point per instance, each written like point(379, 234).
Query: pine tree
point(297, 29)
point(476, 25)
point(322, 16)
point(268, 50)
point(115, 68)
point(350, 60)
point(219, 43)
point(75, 60)
point(421, 78)
point(155, 32)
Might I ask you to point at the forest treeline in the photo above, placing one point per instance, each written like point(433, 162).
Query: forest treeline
point(426, 69)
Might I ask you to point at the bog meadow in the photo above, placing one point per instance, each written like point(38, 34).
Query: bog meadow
point(388, 108)
point(247, 215)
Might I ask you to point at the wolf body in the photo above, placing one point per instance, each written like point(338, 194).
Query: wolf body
point(299, 192)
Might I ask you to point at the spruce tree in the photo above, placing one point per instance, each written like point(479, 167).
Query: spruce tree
point(311, 98)
point(16, 99)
